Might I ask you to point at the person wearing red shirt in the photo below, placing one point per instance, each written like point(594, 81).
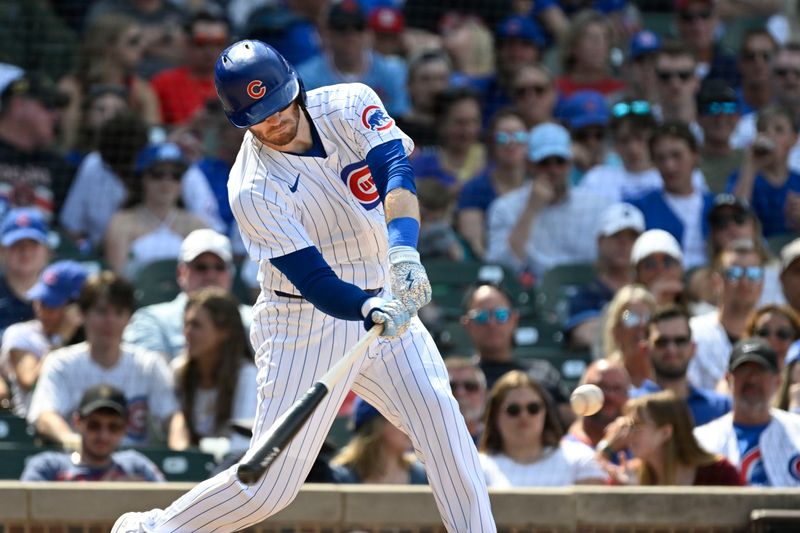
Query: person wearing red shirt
point(185, 89)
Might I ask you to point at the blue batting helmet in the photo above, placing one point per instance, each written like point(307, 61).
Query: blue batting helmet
point(254, 81)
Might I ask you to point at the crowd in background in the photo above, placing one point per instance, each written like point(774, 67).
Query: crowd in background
point(655, 141)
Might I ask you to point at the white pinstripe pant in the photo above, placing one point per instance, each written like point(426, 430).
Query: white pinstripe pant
point(405, 379)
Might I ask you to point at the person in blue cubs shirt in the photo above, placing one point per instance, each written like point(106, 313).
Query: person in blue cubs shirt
point(670, 348)
point(101, 420)
point(762, 442)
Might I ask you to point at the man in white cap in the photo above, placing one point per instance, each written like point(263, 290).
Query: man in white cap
point(620, 226)
point(544, 223)
point(205, 260)
point(657, 263)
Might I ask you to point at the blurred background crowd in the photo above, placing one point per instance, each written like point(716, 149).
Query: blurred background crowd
point(609, 193)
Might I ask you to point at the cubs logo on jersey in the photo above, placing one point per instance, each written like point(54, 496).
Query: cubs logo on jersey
point(358, 179)
point(375, 118)
point(137, 418)
point(256, 89)
point(794, 467)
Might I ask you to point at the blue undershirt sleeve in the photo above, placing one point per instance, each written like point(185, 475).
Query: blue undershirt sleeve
point(390, 168)
point(317, 283)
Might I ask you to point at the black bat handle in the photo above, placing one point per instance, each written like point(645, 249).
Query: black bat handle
point(282, 433)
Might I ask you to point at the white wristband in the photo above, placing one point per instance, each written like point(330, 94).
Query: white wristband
point(371, 303)
point(399, 254)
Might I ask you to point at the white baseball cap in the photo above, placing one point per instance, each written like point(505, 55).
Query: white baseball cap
point(618, 217)
point(202, 241)
point(655, 241)
point(789, 253)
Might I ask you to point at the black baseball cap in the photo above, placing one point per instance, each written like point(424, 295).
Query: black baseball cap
point(739, 206)
point(717, 97)
point(753, 350)
point(103, 397)
point(347, 14)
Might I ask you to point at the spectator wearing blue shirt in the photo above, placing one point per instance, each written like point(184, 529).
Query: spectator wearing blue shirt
point(765, 179)
point(507, 140)
point(101, 420)
point(755, 55)
point(680, 208)
point(670, 348)
point(349, 58)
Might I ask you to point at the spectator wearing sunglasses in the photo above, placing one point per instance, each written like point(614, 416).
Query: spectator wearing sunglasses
point(697, 22)
point(657, 263)
point(533, 94)
point(469, 389)
point(677, 84)
point(184, 89)
point(490, 321)
point(779, 324)
point(718, 112)
point(544, 222)
point(522, 444)
point(205, 260)
point(101, 419)
point(738, 275)
point(670, 349)
point(757, 50)
point(151, 224)
point(624, 327)
point(507, 142)
point(765, 179)
point(620, 226)
point(681, 207)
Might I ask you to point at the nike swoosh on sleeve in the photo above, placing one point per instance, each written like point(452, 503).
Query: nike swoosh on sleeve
point(293, 188)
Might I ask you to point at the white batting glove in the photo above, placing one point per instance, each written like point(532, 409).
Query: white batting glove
point(408, 278)
point(391, 313)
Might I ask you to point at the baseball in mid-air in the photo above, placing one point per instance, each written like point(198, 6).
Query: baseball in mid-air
point(586, 400)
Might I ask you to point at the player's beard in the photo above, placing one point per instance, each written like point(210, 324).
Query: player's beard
point(287, 132)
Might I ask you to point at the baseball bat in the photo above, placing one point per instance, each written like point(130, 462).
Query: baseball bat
point(286, 427)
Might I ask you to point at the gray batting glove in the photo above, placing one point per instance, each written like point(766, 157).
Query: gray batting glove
point(392, 314)
point(408, 278)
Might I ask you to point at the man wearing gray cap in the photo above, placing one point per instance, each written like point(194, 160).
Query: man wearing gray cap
point(544, 223)
point(205, 260)
point(763, 443)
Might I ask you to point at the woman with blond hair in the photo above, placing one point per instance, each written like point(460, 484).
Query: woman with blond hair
point(112, 48)
point(664, 448)
point(378, 452)
point(522, 443)
point(625, 327)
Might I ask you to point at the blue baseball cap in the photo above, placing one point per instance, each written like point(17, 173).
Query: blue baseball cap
point(585, 108)
point(644, 42)
point(549, 140)
point(159, 153)
point(522, 28)
point(24, 223)
point(59, 284)
point(363, 412)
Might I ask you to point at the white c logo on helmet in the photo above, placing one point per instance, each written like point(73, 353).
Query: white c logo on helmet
point(256, 89)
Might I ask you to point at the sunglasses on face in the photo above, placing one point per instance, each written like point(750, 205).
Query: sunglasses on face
point(784, 334)
point(519, 137)
point(783, 72)
point(342, 28)
point(632, 319)
point(111, 427)
point(202, 268)
point(554, 161)
point(736, 273)
point(752, 55)
point(525, 90)
point(134, 40)
point(637, 107)
point(514, 409)
point(721, 108)
point(501, 315)
point(723, 221)
point(468, 386)
point(666, 261)
point(667, 75)
point(161, 174)
point(688, 16)
point(680, 341)
point(588, 134)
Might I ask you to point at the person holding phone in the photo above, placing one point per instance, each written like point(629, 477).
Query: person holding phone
point(764, 179)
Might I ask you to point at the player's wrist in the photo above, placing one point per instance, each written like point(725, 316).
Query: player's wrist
point(370, 304)
point(400, 254)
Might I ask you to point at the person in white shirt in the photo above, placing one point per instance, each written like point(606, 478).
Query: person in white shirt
point(522, 443)
point(544, 223)
point(738, 274)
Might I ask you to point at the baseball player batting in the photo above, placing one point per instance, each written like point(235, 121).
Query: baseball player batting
point(325, 200)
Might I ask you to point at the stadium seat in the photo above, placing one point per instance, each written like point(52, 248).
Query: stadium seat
point(557, 285)
point(570, 363)
point(14, 429)
point(14, 457)
point(186, 465)
point(156, 282)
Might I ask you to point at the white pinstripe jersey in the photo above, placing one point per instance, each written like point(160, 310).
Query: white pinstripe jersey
point(285, 202)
